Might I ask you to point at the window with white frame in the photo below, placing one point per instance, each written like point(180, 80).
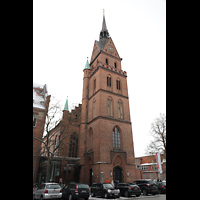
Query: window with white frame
point(34, 119)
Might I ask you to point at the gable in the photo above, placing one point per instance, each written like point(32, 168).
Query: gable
point(110, 48)
point(95, 51)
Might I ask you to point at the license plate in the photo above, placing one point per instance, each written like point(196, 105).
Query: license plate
point(53, 195)
point(84, 191)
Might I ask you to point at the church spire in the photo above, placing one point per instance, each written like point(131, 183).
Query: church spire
point(104, 28)
point(104, 32)
point(66, 105)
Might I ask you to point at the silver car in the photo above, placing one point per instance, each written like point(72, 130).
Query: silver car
point(48, 191)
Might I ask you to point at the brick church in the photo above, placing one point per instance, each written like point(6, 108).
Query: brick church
point(100, 130)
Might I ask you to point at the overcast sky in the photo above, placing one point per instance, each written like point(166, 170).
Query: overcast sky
point(64, 32)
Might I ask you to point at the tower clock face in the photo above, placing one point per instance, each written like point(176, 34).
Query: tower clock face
point(110, 49)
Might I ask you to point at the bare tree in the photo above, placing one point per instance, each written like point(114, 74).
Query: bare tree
point(158, 131)
point(55, 144)
point(50, 145)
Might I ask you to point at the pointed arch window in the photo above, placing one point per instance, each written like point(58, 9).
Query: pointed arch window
point(120, 110)
point(73, 146)
point(110, 109)
point(90, 139)
point(116, 138)
point(118, 84)
point(94, 108)
point(94, 84)
point(109, 81)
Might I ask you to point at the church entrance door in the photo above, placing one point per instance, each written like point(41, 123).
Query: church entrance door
point(117, 172)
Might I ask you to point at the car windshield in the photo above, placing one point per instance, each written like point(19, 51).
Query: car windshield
point(164, 183)
point(83, 186)
point(150, 182)
point(107, 186)
point(132, 185)
point(53, 186)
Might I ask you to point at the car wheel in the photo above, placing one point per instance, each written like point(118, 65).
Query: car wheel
point(137, 195)
point(70, 197)
point(92, 194)
point(126, 193)
point(144, 192)
point(106, 195)
point(41, 198)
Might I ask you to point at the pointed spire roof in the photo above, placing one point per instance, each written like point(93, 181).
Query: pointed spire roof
point(66, 105)
point(87, 65)
point(104, 32)
point(104, 28)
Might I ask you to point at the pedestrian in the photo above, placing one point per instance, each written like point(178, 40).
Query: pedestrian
point(107, 181)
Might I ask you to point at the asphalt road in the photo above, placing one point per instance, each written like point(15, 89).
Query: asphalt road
point(149, 197)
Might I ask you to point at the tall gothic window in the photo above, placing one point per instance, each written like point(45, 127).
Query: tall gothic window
point(110, 110)
point(94, 83)
point(116, 138)
point(118, 84)
point(94, 108)
point(109, 81)
point(120, 110)
point(73, 146)
point(90, 139)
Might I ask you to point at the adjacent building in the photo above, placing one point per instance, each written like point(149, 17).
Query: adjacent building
point(40, 107)
point(147, 168)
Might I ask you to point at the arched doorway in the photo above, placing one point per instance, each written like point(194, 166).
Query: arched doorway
point(118, 173)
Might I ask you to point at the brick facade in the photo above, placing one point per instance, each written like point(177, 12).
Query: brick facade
point(101, 123)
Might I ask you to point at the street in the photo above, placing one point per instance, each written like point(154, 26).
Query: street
point(149, 197)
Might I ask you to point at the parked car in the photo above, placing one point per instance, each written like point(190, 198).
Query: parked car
point(104, 190)
point(161, 187)
point(48, 191)
point(75, 191)
point(147, 186)
point(128, 189)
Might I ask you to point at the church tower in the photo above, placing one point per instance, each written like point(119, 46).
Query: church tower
point(106, 144)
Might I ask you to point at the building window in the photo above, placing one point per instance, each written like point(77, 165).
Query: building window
point(120, 110)
point(94, 108)
point(116, 138)
point(115, 65)
point(90, 139)
point(110, 110)
point(106, 61)
point(94, 83)
point(34, 119)
point(109, 81)
point(118, 84)
point(73, 146)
